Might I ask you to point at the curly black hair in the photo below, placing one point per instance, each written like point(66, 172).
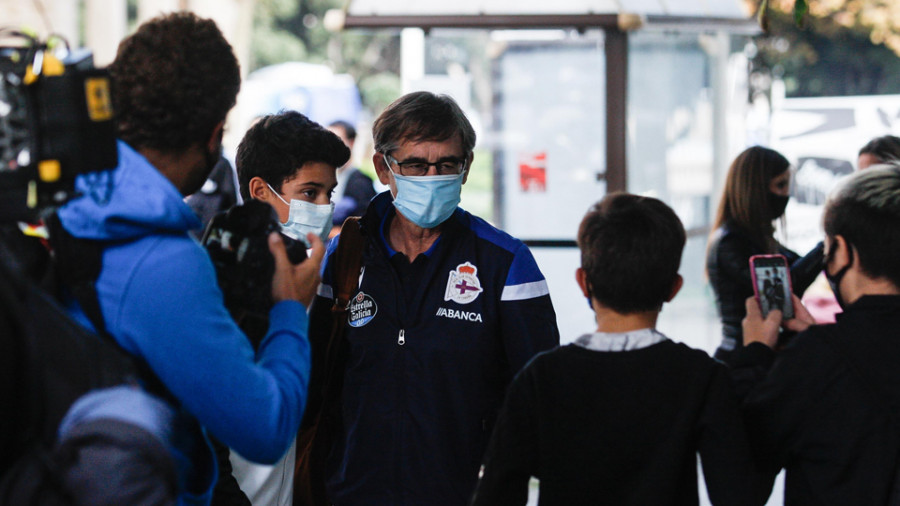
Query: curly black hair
point(173, 81)
point(279, 144)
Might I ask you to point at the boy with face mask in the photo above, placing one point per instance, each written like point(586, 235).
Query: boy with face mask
point(287, 161)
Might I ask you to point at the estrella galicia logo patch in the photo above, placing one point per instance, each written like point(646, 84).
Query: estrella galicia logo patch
point(361, 310)
point(463, 286)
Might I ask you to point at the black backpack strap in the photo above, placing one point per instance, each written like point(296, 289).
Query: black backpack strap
point(54, 361)
point(77, 264)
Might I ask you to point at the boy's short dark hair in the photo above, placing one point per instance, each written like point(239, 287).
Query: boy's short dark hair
point(630, 250)
point(173, 81)
point(349, 130)
point(865, 210)
point(279, 144)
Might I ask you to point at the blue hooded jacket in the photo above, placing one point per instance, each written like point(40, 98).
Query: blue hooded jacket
point(160, 300)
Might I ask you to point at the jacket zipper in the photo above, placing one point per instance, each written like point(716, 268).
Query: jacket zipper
point(401, 339)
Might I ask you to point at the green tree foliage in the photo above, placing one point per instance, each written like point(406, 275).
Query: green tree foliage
point(373, 59)
point(881, 18)
point(273, 40)
point(292, 30)
point(832, 53)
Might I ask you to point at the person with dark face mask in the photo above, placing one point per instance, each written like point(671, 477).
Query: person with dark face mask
point(824, 408)
point(756, 193)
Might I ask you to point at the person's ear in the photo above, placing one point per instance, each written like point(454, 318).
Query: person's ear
point(468, 167)
point(215, 138)
point(259, 190)
point(581, 278)
point(676, 287)
point(839, 252)
point(381, 169)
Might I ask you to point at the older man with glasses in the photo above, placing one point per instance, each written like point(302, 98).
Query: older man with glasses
point(448, 309)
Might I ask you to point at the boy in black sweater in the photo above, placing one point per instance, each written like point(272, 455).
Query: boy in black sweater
point(619, 416)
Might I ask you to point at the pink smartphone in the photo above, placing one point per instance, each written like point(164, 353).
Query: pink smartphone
point(772, 284)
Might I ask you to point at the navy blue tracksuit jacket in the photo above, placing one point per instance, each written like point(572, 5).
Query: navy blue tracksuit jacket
point(432, 348)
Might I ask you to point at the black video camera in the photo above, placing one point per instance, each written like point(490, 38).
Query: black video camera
point(56, 122)
point(238, 244)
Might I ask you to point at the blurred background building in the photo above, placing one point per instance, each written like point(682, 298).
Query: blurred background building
point(571, 99)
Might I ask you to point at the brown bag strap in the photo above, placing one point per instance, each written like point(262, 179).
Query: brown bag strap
point(347, 259)
point(315, 440)
point(347, 265)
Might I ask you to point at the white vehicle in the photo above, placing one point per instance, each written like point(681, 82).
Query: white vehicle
point(821, 137)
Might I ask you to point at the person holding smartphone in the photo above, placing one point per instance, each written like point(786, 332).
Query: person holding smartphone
point(825, 407)
point(757, 190)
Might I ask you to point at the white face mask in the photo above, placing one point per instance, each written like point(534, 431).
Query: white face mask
point(305, 217)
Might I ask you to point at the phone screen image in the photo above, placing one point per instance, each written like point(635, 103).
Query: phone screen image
point(772, 284)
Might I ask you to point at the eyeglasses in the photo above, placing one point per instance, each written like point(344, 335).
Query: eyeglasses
point(444, 167)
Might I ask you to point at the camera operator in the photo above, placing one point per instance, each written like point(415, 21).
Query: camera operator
point(80, 426)
point(174, 81)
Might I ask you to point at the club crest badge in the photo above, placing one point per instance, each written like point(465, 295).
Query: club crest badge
point(361, 310)
point(463, 286)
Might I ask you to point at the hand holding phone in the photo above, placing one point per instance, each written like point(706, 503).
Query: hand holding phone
point(772, 284)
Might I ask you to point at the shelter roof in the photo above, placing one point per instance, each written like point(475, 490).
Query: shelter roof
point(499, 14)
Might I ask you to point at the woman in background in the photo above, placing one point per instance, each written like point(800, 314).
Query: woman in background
point(884, 149)
point(756, 193)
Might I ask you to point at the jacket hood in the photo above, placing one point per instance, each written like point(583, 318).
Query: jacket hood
point(130, 201)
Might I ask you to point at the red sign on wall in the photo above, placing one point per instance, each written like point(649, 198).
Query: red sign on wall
point(533, 172)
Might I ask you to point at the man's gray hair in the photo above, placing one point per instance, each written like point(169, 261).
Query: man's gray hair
point(422, 116)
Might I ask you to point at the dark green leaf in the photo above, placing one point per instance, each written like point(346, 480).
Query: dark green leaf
point(801, 7)
point(763, 15)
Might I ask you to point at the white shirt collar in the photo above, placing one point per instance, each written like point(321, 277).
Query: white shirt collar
point(621, 341)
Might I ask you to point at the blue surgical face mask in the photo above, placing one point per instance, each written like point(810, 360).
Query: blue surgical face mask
point(305, 217)
point(427, 201)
